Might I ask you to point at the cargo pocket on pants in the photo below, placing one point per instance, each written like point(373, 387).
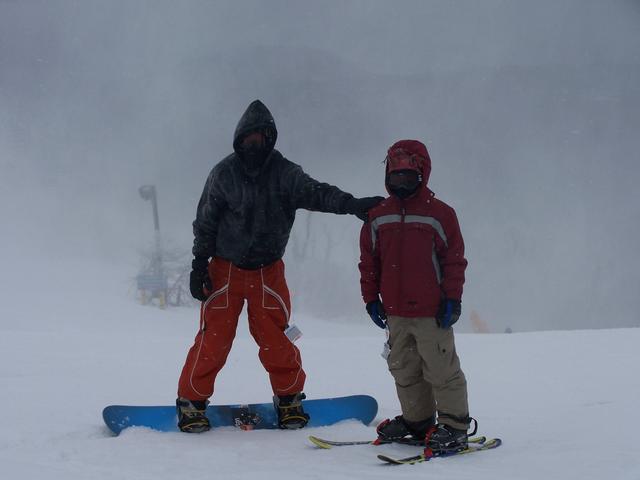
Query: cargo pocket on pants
point(219, 299)
point(446, 345)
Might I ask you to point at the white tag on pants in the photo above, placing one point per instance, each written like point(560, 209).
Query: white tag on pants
point(293, 333)
point(386, 351)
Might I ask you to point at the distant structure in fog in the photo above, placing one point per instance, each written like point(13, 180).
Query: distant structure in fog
point(152, 281)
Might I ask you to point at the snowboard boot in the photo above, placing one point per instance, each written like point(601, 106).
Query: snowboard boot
point(290, 412)
point(192, 416)
point(400, 429)
point(445, 439)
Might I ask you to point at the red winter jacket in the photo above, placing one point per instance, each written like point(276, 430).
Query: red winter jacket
point(412, 252)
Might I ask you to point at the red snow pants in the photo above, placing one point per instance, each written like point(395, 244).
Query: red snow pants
point(268, 310)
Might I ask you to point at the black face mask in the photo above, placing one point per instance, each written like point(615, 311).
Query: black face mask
point(254, 151)
point(403, 192)
point(255, 156)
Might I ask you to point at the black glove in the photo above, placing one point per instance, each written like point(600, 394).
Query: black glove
point(199, 280)
point(448, 313)
point(377, 313)
point(360, 206)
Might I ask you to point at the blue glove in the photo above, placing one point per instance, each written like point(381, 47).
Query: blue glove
point(377, 313)
point(448, 313)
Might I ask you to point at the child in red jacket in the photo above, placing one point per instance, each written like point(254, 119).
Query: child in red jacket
point(412, 270)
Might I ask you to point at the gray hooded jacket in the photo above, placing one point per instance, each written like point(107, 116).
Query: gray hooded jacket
point(246, 216)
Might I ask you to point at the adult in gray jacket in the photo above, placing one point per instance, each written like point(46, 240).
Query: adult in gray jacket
point(242, 227)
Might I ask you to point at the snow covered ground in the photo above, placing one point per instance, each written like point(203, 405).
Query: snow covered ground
point(564, 403)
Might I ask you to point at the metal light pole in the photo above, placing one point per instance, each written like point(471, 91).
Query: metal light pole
point(154, 281)
point(148, 192)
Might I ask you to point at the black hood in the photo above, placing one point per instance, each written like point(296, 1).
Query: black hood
point(256, 117)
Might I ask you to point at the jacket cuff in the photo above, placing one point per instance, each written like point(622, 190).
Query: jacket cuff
point(199, 262)
point(370, 298)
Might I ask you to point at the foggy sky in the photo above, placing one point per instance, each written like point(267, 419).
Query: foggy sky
point(530, 111)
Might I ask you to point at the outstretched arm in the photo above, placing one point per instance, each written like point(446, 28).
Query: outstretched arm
point(311, 194)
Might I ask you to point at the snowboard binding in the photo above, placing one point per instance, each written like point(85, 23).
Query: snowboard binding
point(291, 415)
point(192, 416)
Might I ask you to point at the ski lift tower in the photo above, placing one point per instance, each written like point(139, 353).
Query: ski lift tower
point(152, 281)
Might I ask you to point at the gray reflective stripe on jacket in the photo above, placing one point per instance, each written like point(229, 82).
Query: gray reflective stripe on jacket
point(429, 221)
point(437, 226)
point(375, 224)
point(381, 221)
point(436, 263)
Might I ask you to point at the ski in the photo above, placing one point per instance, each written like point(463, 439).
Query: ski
point(424, 457)
point(326, 444)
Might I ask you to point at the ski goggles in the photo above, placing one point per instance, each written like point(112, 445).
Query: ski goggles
point(261, 138)
point(252, 141)
point(404, 179)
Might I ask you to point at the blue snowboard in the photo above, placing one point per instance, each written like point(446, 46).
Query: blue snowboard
point(322, 412)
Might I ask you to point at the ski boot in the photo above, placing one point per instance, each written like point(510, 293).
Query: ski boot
point(444, 438)
point(404, 431)
point(192, 416)
point(290, 412)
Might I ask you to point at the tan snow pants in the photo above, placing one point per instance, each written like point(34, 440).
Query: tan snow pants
point(426, 369)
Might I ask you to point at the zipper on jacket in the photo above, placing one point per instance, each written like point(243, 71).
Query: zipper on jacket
point(400, 296)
